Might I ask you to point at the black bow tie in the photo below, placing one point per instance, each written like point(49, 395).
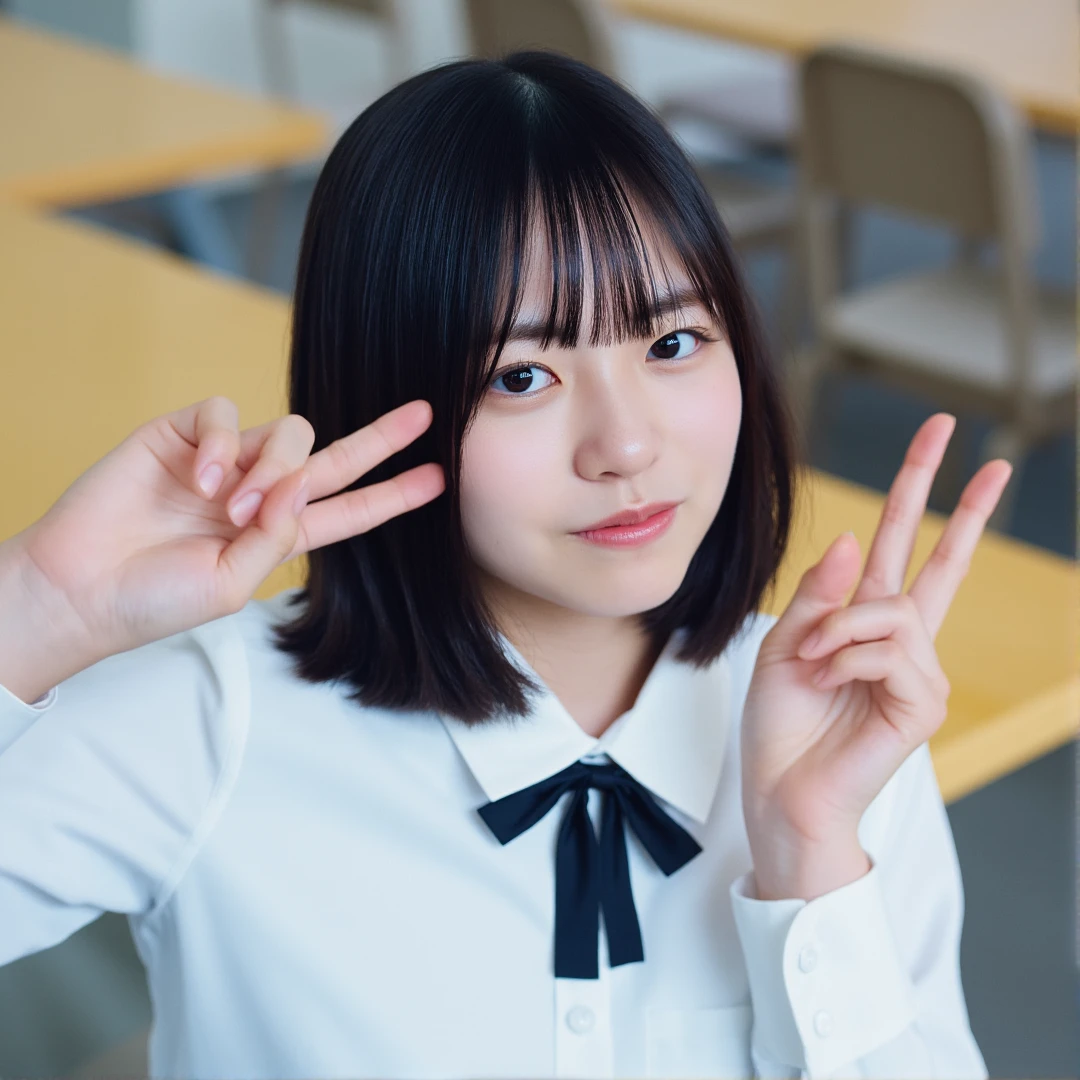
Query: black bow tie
point(588, 874)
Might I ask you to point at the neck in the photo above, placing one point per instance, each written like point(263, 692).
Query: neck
point(595, 665)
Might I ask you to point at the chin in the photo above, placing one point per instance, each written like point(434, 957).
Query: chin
point(617, 597)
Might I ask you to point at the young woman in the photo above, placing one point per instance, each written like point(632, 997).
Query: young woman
point(523, 783)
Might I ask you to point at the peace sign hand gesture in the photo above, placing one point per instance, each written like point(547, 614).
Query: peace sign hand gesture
point(841, 695)
point(139, 549)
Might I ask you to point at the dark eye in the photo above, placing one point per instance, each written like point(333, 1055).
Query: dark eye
point(520, 380)
point(668, 347)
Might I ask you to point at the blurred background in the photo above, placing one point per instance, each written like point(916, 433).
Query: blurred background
point(905, 211)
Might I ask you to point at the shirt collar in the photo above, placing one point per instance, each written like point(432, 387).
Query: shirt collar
point(672, 740)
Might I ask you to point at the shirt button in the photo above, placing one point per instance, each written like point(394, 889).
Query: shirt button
point(807, 958)
point(580, 1019)
point(823, 1024)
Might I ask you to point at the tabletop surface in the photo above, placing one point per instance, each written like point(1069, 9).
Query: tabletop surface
point(82, 124)
point(101, 334)
point(1030, 48)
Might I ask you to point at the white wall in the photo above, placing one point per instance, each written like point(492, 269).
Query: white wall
point(216, 39)
point(107, 22)
point(341, 61)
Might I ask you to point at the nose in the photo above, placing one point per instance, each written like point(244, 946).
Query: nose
point(618, 433)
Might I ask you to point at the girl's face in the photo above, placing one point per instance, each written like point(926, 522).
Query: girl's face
point(567, 437)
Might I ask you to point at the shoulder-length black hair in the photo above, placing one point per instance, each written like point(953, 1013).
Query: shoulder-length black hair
point(408, 282)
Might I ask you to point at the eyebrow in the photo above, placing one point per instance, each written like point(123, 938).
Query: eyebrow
point(666, 304)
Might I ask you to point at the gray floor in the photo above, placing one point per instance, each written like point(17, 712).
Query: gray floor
point(1016, 838)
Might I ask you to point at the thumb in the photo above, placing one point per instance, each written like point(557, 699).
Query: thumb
point(250, 559)
point(821, 590)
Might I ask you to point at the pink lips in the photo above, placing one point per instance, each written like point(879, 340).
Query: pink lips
point(630, 517)
point(631, 535)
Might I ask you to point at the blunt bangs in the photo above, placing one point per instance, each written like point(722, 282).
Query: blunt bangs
point(603, 209)
point(414, 257)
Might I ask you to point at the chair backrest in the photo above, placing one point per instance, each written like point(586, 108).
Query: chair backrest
point(925, 140)
point(918, 138)
point(278, 68)
point(377, 9)
point(579, 28)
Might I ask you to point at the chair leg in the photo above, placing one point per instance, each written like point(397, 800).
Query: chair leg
point(802, 374)
point(127, 1059)
point(792, 304)
point(266, 210)
point(950, 479)
point(1011, 442)
point(845, 244)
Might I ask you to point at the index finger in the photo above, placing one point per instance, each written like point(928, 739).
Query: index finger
point(356, 512)
point(347, 459)
point(933, 590)
point(894, 539)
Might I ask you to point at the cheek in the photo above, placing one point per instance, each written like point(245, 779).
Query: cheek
point(509, 469)
point(706, 418)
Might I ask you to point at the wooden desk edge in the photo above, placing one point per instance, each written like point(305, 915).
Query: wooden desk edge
point(305, 140)
point(288, 133)
point(1047, 114)
point(974, 759)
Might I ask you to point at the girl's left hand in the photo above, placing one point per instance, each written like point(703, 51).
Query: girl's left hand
point(841, 695)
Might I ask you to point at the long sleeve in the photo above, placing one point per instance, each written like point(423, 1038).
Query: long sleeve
point(865, 980)
point(107, 783)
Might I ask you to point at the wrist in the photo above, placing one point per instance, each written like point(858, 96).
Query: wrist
point(41, 643)
point(798, 869)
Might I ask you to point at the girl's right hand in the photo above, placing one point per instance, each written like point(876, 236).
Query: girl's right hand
point(135, 550)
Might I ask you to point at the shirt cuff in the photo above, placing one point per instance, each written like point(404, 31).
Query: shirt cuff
point(16, 715)
point(826, 980)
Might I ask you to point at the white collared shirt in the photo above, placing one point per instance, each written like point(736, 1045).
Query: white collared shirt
point(313, 893)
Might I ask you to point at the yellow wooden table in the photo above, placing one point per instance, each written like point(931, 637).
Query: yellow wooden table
point(99, 335)
point(82, 124)
point(1030, 48)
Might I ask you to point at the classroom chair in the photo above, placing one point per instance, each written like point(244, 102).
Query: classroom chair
point(758, 105)
point(127, 1060)
point(947, 148)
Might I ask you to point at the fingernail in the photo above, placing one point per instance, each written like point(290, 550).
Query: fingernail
point(841, 537)
point(819, 678)
point(808, 645)
point(242, 511)
point(210, 478)
point(301, 497)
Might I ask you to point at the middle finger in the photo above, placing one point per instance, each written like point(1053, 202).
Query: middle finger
point(937, 582)
point(355, 512)
point(895, 616)
point(347, 459)
point(904, 506)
